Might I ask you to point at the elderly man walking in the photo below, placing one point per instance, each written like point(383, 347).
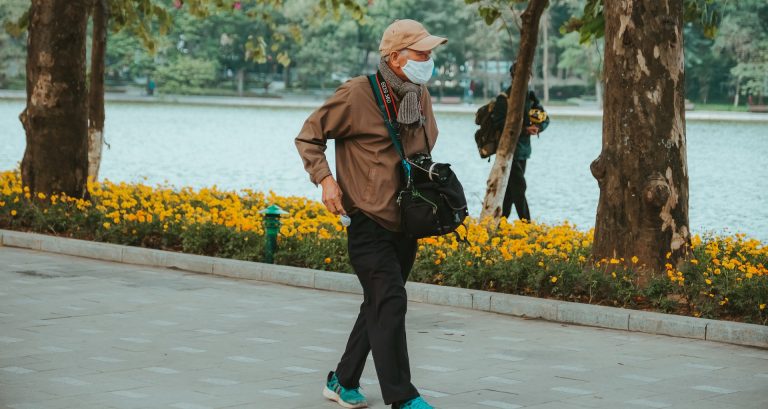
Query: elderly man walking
point(365, 189)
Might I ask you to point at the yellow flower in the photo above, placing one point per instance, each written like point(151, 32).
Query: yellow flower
point(41, 195)
point(694, 261)
point(613, 274)
point(708, 281)
point(614, 261)
point(106, 225)
point(762, 306)
point(327, 260)
point(635, 259)
point(13, 213)
point(553, 279)
point(668, 255)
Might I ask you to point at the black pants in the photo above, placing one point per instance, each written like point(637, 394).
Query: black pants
point(515, 193)
point(382, 261)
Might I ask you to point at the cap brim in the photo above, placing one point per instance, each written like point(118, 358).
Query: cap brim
point(428, 43)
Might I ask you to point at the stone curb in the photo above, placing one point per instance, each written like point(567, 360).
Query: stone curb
point(507, 304)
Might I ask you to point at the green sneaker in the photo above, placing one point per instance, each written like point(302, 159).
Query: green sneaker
point(415, 403)
point(348, 398)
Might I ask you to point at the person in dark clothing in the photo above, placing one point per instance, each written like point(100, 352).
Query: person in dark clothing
point(515, 192)
point(367, 164)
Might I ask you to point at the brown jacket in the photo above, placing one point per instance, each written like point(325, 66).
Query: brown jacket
point(367, 164)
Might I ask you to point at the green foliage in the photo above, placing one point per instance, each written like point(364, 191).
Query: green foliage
point(186, 75)
point(582, 60)
point(707, 71)
point(12, 41)
point(590, 25)
point(210, 238)
point(744, 38)
point(705, 14)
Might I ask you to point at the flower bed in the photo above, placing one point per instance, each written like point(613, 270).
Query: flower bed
point(725, 278)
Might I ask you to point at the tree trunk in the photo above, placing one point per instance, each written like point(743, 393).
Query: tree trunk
point(287, 77)
point(599, 92)
point(56, 116)
point(545, 57)
point(642, 170)
point(499, 177)
point(364, 64)
point(96, 91)
point(240, 77)
point(738, 89)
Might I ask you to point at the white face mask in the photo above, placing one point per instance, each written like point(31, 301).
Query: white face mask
point(419, 72)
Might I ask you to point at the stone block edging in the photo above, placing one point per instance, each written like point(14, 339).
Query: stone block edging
point(508, 304)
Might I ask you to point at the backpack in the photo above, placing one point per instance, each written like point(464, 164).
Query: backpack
point(487, 137)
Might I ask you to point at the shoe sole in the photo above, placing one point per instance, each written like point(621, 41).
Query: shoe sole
point(329, 394)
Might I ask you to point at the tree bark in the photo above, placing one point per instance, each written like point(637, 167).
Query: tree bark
point(96, 91)
point(642, 169)
point(56, 116)
point(499, 177)
point(545, 57)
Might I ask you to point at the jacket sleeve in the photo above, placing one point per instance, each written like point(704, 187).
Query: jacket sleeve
point(536, 104)
point(331, 121)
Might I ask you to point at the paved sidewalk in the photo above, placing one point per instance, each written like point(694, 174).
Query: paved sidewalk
point(78, 333)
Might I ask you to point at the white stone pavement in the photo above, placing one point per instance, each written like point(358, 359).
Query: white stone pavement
point(79, 333)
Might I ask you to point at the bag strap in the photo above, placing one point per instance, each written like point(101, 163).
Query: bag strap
point(389, 112)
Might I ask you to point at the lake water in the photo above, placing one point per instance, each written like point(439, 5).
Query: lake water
point(237, 148)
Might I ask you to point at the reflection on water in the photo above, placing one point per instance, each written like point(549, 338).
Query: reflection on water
point(237, 148)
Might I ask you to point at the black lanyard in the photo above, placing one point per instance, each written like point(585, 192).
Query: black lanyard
point(389, 102)
point(389, 110)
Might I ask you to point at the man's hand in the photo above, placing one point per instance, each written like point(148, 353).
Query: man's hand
point(332, 195)
point(532, 130)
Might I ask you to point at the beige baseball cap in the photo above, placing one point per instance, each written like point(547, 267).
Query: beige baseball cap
point(408, 34)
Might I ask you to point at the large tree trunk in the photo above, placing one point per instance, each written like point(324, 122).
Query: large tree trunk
point(499, 177)
point(545, 57)
point(56, 116)
point(642, 170)
point(96, 91)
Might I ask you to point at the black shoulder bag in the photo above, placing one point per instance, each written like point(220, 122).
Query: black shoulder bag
point(432, 202)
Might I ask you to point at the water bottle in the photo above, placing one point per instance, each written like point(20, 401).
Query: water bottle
point(345, 220)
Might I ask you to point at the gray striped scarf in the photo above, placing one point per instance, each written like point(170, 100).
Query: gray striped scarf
point(409, 93)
